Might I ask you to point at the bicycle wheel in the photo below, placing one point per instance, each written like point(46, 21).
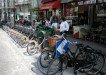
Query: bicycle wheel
point(41, 69)
point(98, 64)
point(45, 58)
point(57, 66)
point(54, 67)
point(85, 61)
point(31, 48)
point(24, 43)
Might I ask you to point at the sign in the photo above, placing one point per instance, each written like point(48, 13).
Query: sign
point(93, 1)
point(87, 2)
point(104, 0)
point(100, 1)
point(81, 3)
point(90, 2)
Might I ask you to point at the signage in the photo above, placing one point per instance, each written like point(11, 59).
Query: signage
point(87, 2)
point(104, 0)
point(90, 2)
point(81, 3)
point(100, 1)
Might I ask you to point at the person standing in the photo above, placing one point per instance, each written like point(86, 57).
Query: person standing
point(53, 19)
point(64, 26)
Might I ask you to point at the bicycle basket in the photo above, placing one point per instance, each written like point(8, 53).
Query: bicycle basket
point(52, 41)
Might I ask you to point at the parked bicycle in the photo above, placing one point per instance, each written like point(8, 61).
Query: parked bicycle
point(41, 35)
point(84, 59)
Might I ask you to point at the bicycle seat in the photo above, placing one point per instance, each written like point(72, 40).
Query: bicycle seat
point(88, 49)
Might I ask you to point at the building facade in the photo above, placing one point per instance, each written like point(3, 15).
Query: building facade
point(22, 9)
point(34, 8)
point(6, 9)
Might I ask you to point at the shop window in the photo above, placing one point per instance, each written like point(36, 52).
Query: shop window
point(100, 19)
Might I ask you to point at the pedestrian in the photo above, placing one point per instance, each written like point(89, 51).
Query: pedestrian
point(64, 26)
point(53, 18)
point(43, 21)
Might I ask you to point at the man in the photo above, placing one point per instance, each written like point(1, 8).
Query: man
point(64, 26)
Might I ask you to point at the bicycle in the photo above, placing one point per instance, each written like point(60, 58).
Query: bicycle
point(45, 59)
point(41, 35)
point(85, 61)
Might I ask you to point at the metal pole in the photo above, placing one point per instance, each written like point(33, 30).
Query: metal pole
point(30, 11)
point(14, 10)
point(4, 11)
point(37, 6)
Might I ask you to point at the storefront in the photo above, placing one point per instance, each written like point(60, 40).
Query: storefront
point(93, 11)
point(70, 11)
point(100, 17)
point(91, 19)
point(49, 7)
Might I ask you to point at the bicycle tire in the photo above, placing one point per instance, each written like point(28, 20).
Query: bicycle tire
point(45, 58)
point(32, 50)
point(59, 68)
point(55, 64)
point(95, 70)
point(24, 43)
point(84, 59)
point(41, 69)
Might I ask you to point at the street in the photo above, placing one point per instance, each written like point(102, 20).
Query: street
point(15, 61)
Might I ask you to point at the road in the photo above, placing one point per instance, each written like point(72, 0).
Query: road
point(15, 61)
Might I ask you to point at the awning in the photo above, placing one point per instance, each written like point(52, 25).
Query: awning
point(51, 5)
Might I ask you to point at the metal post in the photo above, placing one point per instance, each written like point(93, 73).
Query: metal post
point(37, 6)
point(14, 10)
point(5, 14)
point(30, 11)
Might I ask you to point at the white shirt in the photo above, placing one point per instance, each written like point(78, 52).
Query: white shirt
point(64, 26)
